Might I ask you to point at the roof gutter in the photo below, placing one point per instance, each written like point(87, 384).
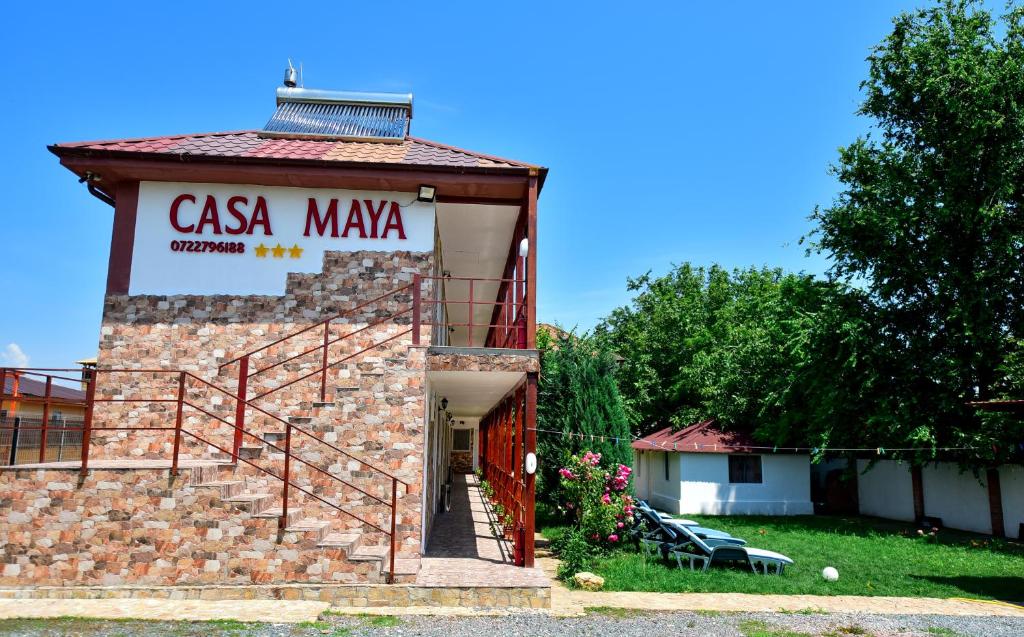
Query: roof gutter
point(90, 180)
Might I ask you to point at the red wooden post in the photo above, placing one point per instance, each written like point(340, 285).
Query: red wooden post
point(531, 274)
point(470, 321)
point(3, 391)
point(416, 309)
point(177, 423)
point(240, 398)
point(531, 479)
point(394, 517)
point(90, 403)
point(12, 411)
point(282, 522)
point(46, 419)
point(323, 363)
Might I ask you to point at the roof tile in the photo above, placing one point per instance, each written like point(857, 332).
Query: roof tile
point(251, 144)
point(701, 437)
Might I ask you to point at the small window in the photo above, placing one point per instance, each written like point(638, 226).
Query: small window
point(666, 465)
point(745, 469)
point(462, 440)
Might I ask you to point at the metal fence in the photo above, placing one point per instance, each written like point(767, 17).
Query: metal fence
point(20, 439)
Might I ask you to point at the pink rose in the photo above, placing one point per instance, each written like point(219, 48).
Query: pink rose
point(613, 538)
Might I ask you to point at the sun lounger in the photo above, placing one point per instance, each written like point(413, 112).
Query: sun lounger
point(696, 550)
point(702, 531)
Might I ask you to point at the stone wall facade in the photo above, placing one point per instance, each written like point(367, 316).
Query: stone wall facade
point(346, 445)
point(374, 406)
point(462, 359)
point(132, 526)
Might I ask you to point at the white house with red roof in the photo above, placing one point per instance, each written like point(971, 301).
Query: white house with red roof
point(702, 469)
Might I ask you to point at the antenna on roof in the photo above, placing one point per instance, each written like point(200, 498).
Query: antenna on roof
point(289, 75)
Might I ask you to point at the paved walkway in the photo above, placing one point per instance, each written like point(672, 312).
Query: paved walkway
point(463, 551)
point(244, 610)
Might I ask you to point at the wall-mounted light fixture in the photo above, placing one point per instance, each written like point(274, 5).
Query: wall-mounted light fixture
point(524, 247)
point(427, 193)
point(444, 404)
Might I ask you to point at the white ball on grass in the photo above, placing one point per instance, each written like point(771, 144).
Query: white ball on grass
point(830, 574)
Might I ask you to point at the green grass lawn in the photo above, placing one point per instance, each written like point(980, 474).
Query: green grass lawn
point(873, 556)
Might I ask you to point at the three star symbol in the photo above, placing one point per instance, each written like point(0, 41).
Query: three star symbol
point(295, 252)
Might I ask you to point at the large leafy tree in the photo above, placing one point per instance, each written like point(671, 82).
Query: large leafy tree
point(930, 220)
point(578, 406)
point(783, 356)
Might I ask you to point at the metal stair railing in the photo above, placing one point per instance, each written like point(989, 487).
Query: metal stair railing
point(181, 401)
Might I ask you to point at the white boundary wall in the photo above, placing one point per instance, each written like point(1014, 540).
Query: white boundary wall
point(959, 499)
point(886, 490)
point(1011, 484)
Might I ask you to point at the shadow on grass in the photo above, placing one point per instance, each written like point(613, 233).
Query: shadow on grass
point(866, 527)
point(1008, 589)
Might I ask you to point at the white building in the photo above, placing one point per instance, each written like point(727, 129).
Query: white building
point(703, 470)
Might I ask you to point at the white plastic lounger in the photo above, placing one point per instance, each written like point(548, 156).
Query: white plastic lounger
point(713, 551)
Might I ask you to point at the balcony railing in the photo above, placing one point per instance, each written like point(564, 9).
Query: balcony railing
point(472, 312)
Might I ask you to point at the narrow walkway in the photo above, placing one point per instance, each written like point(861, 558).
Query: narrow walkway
point(243, 610)
point(464, 551)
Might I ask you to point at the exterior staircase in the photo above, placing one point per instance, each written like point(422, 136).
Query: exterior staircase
point(250, 496)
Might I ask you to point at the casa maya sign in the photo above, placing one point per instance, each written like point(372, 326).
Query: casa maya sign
point(237, 239)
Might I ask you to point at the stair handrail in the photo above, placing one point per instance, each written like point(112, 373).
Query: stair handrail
point(311, 326)
point(179, 430)
point(330, 365)
point(361, 461)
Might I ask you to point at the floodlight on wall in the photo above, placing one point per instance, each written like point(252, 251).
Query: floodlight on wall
point(444, 404)
point(524, 247)
point(427, 193)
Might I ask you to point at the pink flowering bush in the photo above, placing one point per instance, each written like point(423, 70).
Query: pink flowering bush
point(597, 497)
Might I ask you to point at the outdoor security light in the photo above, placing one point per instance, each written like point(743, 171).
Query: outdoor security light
point(524, 248)
point(444, 404)
point(427, 193)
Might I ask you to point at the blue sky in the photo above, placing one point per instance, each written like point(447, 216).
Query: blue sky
point(694, 132)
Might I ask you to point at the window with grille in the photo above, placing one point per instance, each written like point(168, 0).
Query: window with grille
point(462, 440)
point(745, 469)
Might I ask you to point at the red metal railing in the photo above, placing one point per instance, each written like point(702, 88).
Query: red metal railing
point(506, 328)
point(181, 401)
point(15, 397)
point(505, 302)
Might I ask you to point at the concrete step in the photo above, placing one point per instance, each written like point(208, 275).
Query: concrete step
point(406, 566)
point(254, 503)
point(310, 525)
point(275, 512)
point(250, 453)
point(346, 541)
point(370, 554)
point(226, 488)
point(274, 437)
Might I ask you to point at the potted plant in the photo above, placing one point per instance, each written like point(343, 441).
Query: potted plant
point(508, 525)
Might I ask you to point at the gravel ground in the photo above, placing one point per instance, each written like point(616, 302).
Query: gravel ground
point(611, 622)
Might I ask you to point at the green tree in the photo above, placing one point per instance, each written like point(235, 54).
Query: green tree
point(929, 221)
point(782, 356)
point(577, 395)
